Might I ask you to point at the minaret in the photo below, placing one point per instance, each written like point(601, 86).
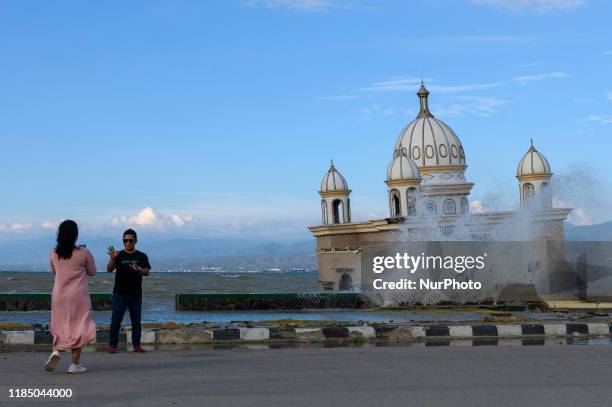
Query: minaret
point(533, 174)
point(335, 201)
point(404, 184)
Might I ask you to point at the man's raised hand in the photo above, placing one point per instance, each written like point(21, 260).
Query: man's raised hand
point(112, 252)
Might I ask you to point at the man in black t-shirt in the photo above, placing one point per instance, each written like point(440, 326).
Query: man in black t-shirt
point(131, 265)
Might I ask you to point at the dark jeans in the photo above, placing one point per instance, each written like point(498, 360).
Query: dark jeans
point(120, 303)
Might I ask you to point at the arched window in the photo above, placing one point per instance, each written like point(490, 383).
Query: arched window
point(528, 191)
point(324, 212)
point(412, 211)
point(411, 197)
point(338, 211)
point(449, 207)
point(465, 206)
point(346, 283)
point(430, 207)
point(395, 203)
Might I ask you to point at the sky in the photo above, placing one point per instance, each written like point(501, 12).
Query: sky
point(219, 118)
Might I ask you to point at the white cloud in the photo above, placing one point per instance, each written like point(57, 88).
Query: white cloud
point(208, 214)
point(539, 77)
point(146, 217)
point(609, 95)
point(578, 216)
point(180, 220)
point(475, 105)
point(601, 118)
point(299, 5)
point(411, 84)
point(3, 227)
point(51, 225)
point(531, 5)
point(607, 53)
point(459, 107)
point(377, 110)
point(399, 84)
point(477, 207)
point(21, 227)
point(150, 218)
point(557, 203)
point(463, 88)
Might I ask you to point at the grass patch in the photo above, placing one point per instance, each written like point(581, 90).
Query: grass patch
point(14, 326)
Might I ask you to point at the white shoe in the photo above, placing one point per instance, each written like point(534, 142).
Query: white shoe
point(76, 368)
point(52, 361)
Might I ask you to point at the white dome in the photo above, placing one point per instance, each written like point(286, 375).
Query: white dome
point(333, 181)
point(429, 141)
point(402, 167)
point(533, 163)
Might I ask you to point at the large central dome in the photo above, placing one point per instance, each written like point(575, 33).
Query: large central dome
point(432, 145)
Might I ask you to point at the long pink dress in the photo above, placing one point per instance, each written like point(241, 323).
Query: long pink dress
point(72, 325)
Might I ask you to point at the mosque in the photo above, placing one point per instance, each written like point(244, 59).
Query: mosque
point(428, 198)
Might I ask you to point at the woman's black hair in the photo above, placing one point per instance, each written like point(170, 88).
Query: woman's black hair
point(67, 235)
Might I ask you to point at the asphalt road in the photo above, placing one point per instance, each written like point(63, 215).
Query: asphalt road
point(374, 376)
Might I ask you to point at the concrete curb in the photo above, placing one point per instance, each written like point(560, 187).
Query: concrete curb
point(199, 335)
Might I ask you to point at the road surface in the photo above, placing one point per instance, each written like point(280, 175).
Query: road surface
point(367, 376)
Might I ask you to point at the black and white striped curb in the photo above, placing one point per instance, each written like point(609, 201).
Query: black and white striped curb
point(196, 335)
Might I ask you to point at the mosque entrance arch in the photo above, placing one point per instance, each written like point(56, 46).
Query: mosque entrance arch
point(346, 282)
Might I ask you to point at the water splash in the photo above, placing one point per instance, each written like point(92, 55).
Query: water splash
point(515, 242)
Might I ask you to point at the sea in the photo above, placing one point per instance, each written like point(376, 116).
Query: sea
point(159, 289)
point(169, 283)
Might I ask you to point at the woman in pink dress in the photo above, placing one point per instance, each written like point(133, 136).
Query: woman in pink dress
point(72, 325)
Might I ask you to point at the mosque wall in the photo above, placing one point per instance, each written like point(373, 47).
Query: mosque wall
point(340, 255)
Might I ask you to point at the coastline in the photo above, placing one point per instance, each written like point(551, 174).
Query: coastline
point(324, 332)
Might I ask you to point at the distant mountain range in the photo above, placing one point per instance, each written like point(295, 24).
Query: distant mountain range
point(174, 253)
point(230, 254)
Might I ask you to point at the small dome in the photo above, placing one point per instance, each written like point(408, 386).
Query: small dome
point(402, 167)
point(533, 163)
point(429, 141)
point(333, 180)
